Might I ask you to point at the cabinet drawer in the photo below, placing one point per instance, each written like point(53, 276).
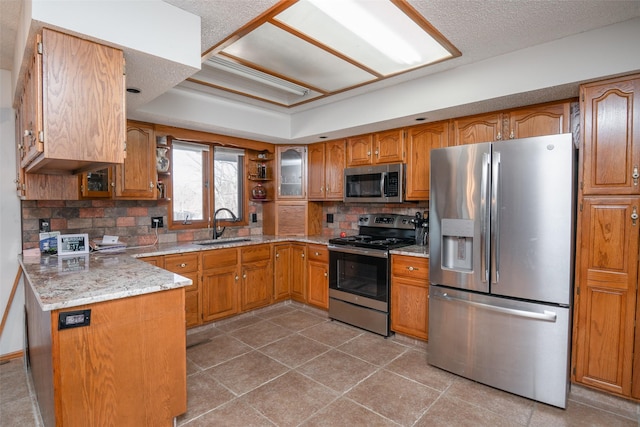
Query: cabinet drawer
point(255, 253)
point(410, 267)
point(219, 258)
point(181, 263)
point(318, 253)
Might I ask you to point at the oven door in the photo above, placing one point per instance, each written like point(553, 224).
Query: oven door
point(359, 276)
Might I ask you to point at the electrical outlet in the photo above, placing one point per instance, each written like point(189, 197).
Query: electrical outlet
point(329, 218)
point(45, 225)
point(254, 217)
point(157, 222)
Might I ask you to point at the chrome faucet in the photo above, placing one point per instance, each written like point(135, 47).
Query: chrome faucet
point(215, 222)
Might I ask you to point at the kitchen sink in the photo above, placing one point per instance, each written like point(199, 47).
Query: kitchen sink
point(222, 241)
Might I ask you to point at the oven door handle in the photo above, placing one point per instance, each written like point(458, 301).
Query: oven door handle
point(360, 251)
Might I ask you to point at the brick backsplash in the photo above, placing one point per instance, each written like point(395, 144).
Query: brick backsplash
point(131, 220)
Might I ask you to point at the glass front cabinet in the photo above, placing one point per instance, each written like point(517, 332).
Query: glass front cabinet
point(292, 172)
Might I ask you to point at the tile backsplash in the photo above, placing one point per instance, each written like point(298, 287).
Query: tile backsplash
point(131, 220)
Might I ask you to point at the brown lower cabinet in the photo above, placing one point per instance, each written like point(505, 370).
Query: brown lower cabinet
point(220, 280)
point(187, 265)
point(318, 276)
point(410, 295)
point(606, 294)
point(133, 353)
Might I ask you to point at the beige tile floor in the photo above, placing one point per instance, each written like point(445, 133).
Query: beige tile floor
point(289, 365)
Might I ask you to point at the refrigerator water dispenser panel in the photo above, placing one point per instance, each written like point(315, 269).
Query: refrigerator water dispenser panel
point(457, 244)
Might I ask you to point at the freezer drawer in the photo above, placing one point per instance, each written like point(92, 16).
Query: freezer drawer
point(516, 346)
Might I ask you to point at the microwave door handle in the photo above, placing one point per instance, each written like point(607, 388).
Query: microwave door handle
point(383, 184)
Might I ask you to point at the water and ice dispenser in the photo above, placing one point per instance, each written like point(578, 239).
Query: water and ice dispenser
point(457, 244)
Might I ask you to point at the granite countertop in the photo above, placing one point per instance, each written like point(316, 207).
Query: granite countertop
point(413, 250)
point(71, 281)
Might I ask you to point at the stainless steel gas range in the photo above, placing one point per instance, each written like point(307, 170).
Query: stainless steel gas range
point(359, 270)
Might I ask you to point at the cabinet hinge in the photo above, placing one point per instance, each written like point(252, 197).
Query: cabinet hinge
point(573, 370)
point(125, 146)
point(39, 47)
point(582, 185)
point(580, 207)
point(41, 136)
point(578, 291)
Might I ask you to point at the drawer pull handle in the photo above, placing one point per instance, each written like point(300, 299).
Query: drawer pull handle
point(635, 175)
point(413, 268)
point(183, 265)
point(317, 253)
point(634, 215)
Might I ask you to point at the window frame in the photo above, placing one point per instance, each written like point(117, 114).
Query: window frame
point(208, 190)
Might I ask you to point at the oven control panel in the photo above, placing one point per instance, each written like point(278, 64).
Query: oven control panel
point(386, 221)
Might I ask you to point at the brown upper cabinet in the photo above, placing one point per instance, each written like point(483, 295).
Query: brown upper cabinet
point(136, 177)
point(611, 153)
point(72, 106)
point(326, 170)
point(420, 141)
point(381, 147)
point(546, 119)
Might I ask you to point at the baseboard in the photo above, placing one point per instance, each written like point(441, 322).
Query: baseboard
point(9, 356)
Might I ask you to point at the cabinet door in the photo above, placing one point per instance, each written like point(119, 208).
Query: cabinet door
point(410, 307)
point(389, 146)
point(611, 154)
point(136, 177)
point(281, 272)
point(318, 276)
point(83, 103)
point(359, 150)
point(420, 141)
point(317, 188)
point(606, 280)
point(471, 130)
point(410, 295)
point(257, 285)
point(219, 292)
point(334, 161)
point(96, 184)
point(550, 119)
point(31, 124)
point(299, 272)
point(292, 172)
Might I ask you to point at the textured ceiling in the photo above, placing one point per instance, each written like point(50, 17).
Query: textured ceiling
point(480, 29)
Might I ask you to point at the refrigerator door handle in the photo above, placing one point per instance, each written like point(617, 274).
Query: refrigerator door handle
point(485, 189)
point(546, 315)
point(495, 219)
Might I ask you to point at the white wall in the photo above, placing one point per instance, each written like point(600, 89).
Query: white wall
point(10, 225)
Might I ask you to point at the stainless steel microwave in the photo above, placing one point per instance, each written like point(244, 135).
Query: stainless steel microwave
point(374, 184)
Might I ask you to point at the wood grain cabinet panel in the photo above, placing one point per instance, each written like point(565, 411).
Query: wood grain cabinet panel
point(281, 272)
point(359, 150)
point(187, 265)
point(471, 130)
point(82, 106)
point(410, 296)
point(318, 276)
point(136, 178)
point(257, 277)
point(299, 272)
point(326, 170)
point(542, 120)
point(220, 284)
point(606, 293)
point(420, 141)
point(611, 126)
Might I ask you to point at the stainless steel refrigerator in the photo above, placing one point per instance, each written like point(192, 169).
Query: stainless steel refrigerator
point(501, 222)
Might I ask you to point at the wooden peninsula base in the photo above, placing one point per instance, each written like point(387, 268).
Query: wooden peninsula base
point(127, 368)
